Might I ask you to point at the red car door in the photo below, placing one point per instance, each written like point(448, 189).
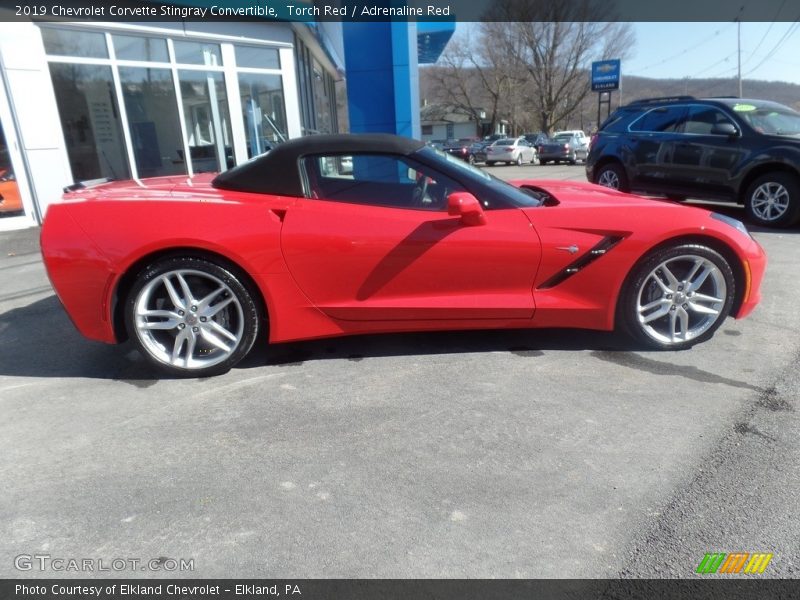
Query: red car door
point(359, 260)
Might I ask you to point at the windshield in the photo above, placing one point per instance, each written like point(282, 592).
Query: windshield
point(770, 120)
point(505, 142)
point(563, 138)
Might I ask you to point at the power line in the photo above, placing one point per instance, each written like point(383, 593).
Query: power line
point(689, 49)
point(785, 37)
point(766, 33)
point(708, 68)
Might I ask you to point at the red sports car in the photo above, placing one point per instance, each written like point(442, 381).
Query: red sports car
point(346, 234)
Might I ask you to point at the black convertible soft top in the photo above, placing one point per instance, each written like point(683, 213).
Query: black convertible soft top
point(277, 172)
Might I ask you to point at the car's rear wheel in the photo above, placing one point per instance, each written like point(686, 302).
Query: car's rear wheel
point(191, 317)
point(773, 200)
point(519, 159)
point(489, 163)
point(612, 175)
point(573, 158)
point(543, 161)
point(677, 297)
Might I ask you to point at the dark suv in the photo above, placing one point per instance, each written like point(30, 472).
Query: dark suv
point(746, 151)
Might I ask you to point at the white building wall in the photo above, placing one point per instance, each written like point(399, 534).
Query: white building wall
point(33, 107)
point(460, 130)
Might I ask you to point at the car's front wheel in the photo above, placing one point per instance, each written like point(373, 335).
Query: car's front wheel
point(677, 297)
point(773, 200)
point(191, 317)
point(612, 175)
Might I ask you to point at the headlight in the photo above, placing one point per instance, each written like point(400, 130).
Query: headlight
point(732, 222)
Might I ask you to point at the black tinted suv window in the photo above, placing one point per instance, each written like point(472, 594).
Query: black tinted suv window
point(662, 119)
point(702, 119)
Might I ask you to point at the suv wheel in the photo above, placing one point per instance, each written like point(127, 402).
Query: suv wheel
point(677, 297)
point(773, 200)
point(612, 175)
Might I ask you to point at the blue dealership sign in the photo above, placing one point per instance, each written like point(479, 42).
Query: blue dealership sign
point(606, 75)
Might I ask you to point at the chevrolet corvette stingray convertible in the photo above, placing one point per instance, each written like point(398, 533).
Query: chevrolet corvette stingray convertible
point(346, 234)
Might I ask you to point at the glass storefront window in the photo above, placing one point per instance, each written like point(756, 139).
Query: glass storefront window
point(128, 47)
point(263, 110)
point(90, 121)
point(197, 53)
point(322, 99)
point(257, 58)
point(205, 113)
point(68, 42)
point(10, 200)
point(155, 128)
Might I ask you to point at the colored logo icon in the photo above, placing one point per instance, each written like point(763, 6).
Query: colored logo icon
point(738, 562)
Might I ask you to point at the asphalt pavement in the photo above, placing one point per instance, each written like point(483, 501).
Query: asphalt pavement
point(552, 453)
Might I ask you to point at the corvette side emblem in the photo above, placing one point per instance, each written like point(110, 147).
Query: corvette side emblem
point(571, 249)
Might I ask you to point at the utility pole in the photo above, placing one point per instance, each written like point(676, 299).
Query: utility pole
point(739, 52)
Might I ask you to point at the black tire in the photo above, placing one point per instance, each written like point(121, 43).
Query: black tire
point(773, 200)
point(648, 313)
point(200, 326)
point(543, 162)
point(573, 159)
point(489, 163)
point(610, 172)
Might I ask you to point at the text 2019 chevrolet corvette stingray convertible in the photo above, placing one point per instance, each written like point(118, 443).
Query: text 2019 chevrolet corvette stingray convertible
point(345, 234)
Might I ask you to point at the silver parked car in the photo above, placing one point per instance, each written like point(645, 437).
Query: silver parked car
point(564, 147)
point(510, 150)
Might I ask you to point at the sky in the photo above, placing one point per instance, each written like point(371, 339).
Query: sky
point(770, 51)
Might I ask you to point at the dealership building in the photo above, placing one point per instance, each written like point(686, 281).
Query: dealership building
point(87, 101)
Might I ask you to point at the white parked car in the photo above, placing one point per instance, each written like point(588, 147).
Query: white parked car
point(583, 140)
point(510, 150)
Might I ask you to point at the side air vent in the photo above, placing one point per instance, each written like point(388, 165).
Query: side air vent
point(606, 244)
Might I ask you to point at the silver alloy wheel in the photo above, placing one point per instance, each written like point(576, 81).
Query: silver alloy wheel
point(609, 179)
point(189, 319)
point(681, 299)
point(770, 201)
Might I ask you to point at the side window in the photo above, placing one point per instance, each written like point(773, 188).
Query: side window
point(702, 119)
point(660, 120)
point(377, 180)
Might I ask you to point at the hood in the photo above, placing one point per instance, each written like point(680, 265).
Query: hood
point(574, 193)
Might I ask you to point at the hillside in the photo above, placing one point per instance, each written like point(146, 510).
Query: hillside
point(779, 91)
point(634, 88)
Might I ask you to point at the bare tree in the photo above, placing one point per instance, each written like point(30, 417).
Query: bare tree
point(554, 44)
point(474, 77)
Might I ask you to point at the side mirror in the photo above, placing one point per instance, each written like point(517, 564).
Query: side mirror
point(728, 129)
point(466, 206)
